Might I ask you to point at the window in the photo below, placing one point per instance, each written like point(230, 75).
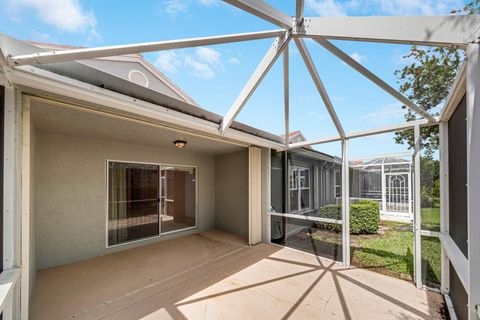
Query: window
point(338, 184)
point(146, 200)
point(299, 186)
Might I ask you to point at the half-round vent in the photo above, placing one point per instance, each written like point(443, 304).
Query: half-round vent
point(138, 77)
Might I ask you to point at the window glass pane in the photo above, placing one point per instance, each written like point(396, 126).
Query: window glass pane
point(132, 202)
point(304, 178)
point(305, 199)
point(293, 179)
point(294, 200)
point(178, 198)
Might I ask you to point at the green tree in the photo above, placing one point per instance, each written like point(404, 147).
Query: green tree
point(426, 81)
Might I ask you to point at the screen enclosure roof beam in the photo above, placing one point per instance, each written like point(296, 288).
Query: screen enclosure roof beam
point(262, 69)
point(442, 31)
point(364, 133)
point(372, 77)
point(108, 51)
point(263, 10)
point(302, 48)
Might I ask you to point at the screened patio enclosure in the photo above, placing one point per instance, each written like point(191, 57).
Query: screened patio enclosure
point(460, 176)
point(386, 180)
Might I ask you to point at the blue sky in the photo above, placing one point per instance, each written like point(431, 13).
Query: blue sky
point(214, 75)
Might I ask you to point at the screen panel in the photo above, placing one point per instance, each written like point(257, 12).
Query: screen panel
point(457, 171)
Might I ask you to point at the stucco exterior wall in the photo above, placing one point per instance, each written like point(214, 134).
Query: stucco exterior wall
point(231, 192)
point(71, 194)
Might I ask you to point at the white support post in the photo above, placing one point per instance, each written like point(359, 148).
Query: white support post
point(9, 168)
point(345, 205)
point(302, 48)
point(267, 62)
point(417, 212)
point(410, 209)
point(444, 206)
point(473, 177)
point(25, 220)
point(286, 96)
point(11, 194)
point(372, 77)
point(254, 195)
point(384, 190)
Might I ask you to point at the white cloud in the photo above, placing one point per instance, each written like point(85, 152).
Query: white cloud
point(386, 113)
point(168, 61)
point(202, 63)
point(233, 61)
point(326, 7)
point(174, 7)
point(382, 7)
point(67, 15)
point(199, 69)
point(208, 2)
point(208, 55)
point(360, 58)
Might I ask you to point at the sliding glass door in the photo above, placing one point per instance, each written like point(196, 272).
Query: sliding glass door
point(178, 198)
point(133, 202)
point(146, 200)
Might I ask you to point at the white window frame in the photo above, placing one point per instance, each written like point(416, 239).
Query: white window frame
point(160, 233)
point(299, 188)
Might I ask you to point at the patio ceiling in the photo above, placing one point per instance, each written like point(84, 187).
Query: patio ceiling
point(70, 120)
point(444, 31)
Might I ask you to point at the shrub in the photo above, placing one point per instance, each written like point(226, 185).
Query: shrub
point(364, 217)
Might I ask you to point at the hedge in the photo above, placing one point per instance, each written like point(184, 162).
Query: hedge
point(364, 217)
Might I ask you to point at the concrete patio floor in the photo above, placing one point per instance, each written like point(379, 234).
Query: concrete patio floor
point(213, 275)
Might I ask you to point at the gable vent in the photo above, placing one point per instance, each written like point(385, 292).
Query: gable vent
point(138, 77)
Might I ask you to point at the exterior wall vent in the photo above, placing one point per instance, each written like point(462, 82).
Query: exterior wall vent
point(138, 77)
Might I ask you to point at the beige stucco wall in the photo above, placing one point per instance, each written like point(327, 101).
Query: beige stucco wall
point(71, 194)
point(231, 192)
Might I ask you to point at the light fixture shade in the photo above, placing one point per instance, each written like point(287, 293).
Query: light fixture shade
point(180, 143)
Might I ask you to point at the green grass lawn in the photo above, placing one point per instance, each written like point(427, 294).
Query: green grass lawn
point(391, 250)
point(431, 219)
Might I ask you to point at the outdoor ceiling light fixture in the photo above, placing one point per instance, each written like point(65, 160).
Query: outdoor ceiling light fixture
point(180, 143)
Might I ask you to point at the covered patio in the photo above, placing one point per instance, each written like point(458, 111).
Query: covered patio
point(69, 252)
point(214, 275)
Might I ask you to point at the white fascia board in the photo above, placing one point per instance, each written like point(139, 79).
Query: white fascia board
point(256, 78)
point(372, 77)
point(302, 48)
point(56, 84)
point(458, 90)
point(108, 51)
point(263, 10)
point(443, 31)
